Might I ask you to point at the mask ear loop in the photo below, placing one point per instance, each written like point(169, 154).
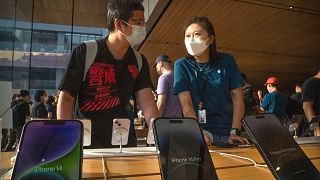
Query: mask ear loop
point(128, 25)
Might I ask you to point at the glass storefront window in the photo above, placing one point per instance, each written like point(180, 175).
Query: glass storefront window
point(38, 36)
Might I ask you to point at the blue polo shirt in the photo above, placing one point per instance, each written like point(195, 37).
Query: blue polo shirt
point(276, 104)
point(223, 76)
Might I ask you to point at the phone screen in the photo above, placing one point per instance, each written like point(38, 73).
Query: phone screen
point(50, 149)
point(182, 150)
point(282, 154)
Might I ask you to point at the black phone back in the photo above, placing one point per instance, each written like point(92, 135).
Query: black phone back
point(282, 154)
point(183, 153)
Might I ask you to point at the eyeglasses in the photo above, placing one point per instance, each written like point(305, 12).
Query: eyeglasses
point(138, 22)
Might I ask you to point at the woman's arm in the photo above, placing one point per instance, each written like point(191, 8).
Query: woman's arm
point(187, 106)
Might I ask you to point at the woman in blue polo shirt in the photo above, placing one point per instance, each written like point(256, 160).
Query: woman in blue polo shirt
point(209, 85)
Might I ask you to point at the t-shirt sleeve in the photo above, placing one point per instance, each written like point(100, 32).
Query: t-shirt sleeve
point(162, 87)
point(180, 82)
point(265, 102)
point(144, 79)
point(309, 91)
point(72, 79)
point(235, 76)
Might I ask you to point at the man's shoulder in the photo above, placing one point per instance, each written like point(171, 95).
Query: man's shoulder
point(165, 77)
point(311, 80)
point(268, 95)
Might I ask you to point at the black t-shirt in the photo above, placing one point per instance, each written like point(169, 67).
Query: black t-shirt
point(311, 93)
point(104, 95)
point(23, 110)
point(39, 110)
point(250, 100)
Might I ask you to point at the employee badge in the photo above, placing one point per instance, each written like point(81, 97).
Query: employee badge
point(202, 116)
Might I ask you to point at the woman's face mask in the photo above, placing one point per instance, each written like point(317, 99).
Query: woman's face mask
point(138, 34)
point(196, 46)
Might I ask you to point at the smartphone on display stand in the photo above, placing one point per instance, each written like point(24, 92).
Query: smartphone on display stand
point(50, 150)
point(284, 157)
point(183, 153)
point(86, 131)
point(120, 131)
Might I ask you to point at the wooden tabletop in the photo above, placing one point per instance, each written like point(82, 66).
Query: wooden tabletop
point(147, 167)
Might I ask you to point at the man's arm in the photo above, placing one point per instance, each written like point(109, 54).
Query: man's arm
point(146, 101)
point(309, 112)
point(65, 106)
point(187, 106)
point(161, 102)
point(308, 109)
point(238, 112)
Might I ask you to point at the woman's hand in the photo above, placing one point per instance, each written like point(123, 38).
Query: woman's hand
point(208, 139)
point(234, 139)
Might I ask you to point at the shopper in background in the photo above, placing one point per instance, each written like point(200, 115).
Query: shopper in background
point(167, 103)
point(51, 109)
point(274, 102)
point(39, 109)
point(20, 112)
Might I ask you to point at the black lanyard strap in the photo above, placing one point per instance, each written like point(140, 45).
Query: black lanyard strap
point(201, 91)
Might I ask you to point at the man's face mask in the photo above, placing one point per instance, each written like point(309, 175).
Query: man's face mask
point(138, 34)
point(196, 46)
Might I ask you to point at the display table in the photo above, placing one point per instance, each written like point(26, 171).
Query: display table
point(146, 166)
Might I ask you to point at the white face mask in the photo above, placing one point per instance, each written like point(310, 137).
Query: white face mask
point(138, 34)
point(196, 46)
point(46, 98)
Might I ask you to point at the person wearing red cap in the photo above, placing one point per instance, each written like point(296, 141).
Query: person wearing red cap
point(275, 102)
point(311, 99)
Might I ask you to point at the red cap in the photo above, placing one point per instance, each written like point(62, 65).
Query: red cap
point(272, 80)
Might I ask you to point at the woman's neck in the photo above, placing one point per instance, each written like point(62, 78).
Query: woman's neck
point(204, 57)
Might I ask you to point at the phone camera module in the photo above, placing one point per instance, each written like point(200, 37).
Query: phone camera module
point(116, 122)
point(119, 124)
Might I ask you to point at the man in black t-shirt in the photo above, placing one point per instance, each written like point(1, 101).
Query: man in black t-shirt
point(113, 75)
point(311, 98)
point(250, 97)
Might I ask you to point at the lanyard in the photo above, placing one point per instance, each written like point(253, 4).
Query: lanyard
point(201, 91)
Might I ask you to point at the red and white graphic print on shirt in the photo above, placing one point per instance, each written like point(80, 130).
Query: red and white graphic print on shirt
point(134, 71)
point(102, 92)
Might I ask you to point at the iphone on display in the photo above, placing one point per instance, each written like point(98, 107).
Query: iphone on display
point(50, 149)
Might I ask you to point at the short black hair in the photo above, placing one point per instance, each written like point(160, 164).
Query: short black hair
point(299, 84)
point(24, 93)
point(38, 94)
point(244, 76)
point(50, 100)
point(122, 9)
point(275, 85)
point(14, 96)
